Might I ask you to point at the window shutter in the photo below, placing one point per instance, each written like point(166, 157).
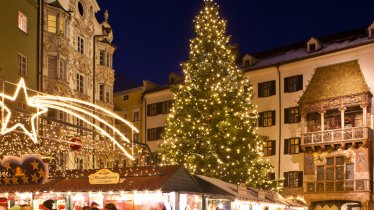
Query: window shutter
point(259, 90)
point(159, 108)
point(260, 120)
point(300, 82)
point(286, 145)
point(273, 147)
point(300, 179)
point(272, 90)
point(148, 134)
point(148, 110)
point(285, 184)
point(300, 150)
point(299, 115)
point(286, 115)
point(273, 117)
point(286, 85)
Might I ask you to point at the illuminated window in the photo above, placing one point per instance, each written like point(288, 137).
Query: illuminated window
point(154, 133)
point(22, 65)
point(52, 23)
point(22, 21)
point(266, 89)
point(292, 115)
point(293, 179)
point(266, 119)
point(269, 148)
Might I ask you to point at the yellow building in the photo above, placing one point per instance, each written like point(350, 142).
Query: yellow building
point(19, 43)
point(129, 105)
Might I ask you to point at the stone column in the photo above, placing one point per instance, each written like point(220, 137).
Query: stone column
point(322, 113)
point(364, 114)
point(342, 110)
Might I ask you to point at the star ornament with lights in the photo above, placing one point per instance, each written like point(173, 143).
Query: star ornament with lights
point(19, 125)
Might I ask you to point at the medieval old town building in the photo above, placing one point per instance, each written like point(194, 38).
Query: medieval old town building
point(315, 108)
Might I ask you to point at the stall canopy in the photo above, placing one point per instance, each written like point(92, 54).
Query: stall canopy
point(165, 178)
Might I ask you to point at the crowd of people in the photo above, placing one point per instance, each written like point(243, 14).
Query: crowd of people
point(48, 205)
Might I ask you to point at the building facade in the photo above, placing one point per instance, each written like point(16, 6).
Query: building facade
point(314, 105)
point(19, 54)
point(315, 109)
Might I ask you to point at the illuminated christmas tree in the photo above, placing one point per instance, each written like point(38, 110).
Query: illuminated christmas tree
point(211, 127)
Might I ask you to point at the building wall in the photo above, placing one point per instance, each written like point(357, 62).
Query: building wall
point(14, 40)
point(157, 120)
point(286, 162)
point(127, 107)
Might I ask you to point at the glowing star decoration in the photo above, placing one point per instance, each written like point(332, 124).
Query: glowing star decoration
point(82, 110)
point(41, 110)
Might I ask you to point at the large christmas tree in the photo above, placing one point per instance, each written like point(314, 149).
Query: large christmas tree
point(211, 127)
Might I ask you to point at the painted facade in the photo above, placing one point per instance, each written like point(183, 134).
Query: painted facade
point(19, 46)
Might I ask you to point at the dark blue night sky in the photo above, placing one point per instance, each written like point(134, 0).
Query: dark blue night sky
point(152, 36)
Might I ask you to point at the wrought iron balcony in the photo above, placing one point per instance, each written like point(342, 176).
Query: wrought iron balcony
point(337, 136)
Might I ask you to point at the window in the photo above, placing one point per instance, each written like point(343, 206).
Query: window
point(292, 146)
point(293, 179)
point(80, 8)
point(292, 115)
point(52, 67)
point(22, 21)
point(52, 23)
point(332, 177)
point(80, 46)
point(22, 65)
point(102, 57)
point(266, 89)
point(154, 133)
point(136, 137)
point(266, 119)
point(61, 26)
point(312, 47)
point(79, 124)
point(136, 116)
point(80, 83)
point(126, 97)
point(108, 91)
point(62, 70)
point(125, 115)
point(109, 60)
point(269, 148)
point(349, 171)
point(159, 108)
point(293, 84)
point(79, 163)
point(101, 92)
point(271, 176)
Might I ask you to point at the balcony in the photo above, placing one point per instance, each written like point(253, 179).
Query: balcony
point(337, 136)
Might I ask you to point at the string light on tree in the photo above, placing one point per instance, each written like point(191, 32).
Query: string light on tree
point(211, 129)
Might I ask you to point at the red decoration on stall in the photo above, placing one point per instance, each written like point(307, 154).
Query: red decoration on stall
point(77, 144)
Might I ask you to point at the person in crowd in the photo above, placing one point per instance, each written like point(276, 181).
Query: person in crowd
point(94, 204)
point(94, 208)
point(85, 208)
point(161, 206)
point(110, 206)
point(48, 205)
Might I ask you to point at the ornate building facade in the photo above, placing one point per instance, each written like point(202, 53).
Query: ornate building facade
point(77, 60)
point(315, 107)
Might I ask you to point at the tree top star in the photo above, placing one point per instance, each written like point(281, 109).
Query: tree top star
point(41, 110)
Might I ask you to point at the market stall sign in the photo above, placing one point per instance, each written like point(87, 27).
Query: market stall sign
point(29, 169)
point(104, 176)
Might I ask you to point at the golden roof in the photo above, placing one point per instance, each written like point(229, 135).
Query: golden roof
point(335, 80)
